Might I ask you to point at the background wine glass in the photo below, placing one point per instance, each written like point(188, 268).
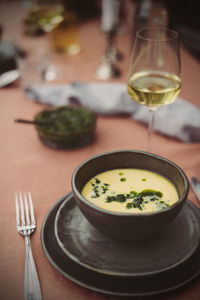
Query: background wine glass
point(109, 25)
point(48, 14)
point(154, 75)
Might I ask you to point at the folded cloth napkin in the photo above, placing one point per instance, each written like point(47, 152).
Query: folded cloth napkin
point(179, 120)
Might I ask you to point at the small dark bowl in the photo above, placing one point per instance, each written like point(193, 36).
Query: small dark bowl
point(66, 127)
point(129, 226)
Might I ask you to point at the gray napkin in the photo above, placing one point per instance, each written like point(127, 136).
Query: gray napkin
point(179, 120)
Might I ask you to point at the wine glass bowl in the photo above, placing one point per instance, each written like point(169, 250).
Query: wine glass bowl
point(154, 76)
point(47, 14)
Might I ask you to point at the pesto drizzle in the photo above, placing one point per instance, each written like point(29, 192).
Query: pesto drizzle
point(138, 200)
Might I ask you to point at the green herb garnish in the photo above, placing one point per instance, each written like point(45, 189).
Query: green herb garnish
point(133, 193)
point(122, 179)
point(99, 189)
point(149, 192)
point(136, 203)
point(117, 198)
point(105, 188)
point(139, 199)
point(97, 181)
point(95, 188)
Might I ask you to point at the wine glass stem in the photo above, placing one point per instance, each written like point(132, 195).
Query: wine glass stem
point(110, 51)
point(150, 127)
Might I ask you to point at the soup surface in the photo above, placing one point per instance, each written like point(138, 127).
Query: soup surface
point(130, 191)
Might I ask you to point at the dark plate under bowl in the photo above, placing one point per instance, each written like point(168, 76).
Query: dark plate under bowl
point(131, 286)
point(88, 247)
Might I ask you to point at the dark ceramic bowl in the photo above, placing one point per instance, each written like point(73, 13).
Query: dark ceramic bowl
point(129, 226)
point(66, 127)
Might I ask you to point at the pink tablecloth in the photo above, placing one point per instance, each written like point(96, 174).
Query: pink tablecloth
point(26, 164)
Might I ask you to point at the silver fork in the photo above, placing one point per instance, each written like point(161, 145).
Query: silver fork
point(26, 226)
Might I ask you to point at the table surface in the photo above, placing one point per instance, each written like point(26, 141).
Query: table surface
point(26, 164)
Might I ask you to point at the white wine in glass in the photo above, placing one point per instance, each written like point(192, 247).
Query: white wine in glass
point(47, 14)
point(154, 76)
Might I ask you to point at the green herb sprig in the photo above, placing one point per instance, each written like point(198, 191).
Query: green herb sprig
point(139, 199)
point(99, 188)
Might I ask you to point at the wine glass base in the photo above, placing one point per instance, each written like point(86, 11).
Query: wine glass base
point(107, 71)
point(51, 73)
point(113, 55)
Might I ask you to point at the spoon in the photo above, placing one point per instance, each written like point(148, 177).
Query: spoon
point(30, 122)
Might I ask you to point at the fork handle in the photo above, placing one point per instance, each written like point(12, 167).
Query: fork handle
point(32, 289)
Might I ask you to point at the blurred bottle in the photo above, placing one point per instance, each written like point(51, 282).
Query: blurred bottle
point(141, 15)
point(65, 37)
point(150, 13)
point(158, 14)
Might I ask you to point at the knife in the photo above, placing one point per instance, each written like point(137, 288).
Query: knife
point(195, 183)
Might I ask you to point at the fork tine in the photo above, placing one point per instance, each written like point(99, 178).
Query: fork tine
point(31, 209)
point(22, 209)
point(17, 210)
point(26, 208)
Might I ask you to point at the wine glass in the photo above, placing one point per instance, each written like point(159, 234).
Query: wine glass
point(109, 26)
point(154, 75)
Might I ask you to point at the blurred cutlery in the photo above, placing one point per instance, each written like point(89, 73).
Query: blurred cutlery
point(26, 225)
point(8, 77)
point(195, 183)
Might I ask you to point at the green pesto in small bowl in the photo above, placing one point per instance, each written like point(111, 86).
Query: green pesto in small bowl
point(66, 127)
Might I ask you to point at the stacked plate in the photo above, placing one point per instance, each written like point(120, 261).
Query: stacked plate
point(84, 255)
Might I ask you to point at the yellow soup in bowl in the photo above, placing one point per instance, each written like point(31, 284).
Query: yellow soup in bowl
point(130, 191)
